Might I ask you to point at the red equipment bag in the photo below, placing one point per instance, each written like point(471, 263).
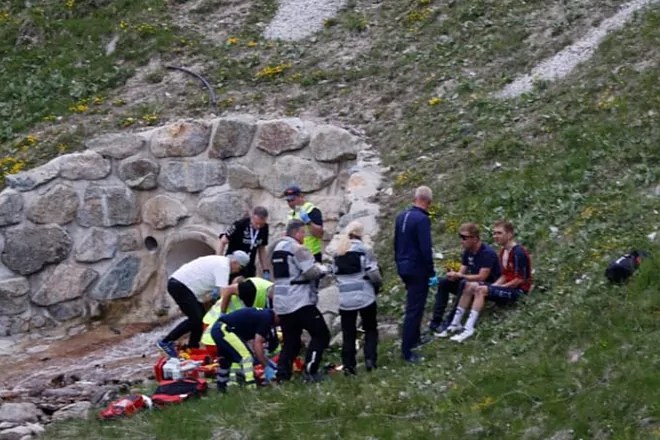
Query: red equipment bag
point(177, 391)
point(124, 407)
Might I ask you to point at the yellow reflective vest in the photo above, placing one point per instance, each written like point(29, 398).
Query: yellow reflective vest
point(235, 303)
point(312, 243)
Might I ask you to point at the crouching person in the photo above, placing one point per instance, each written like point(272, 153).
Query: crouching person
point(359, 279)
point(241, 336)
point(294, 300)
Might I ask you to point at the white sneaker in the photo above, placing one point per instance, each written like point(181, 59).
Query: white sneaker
point(463, 335)
point(450, 330)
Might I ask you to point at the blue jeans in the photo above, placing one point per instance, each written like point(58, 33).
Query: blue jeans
point(417, 290)
point(445, 287)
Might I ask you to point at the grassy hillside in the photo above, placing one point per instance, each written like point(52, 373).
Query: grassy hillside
point(574, 164)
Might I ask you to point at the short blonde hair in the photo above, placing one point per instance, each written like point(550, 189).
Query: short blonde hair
point(424, 193)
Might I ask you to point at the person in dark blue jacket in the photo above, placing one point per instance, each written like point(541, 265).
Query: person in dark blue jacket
point(414, 262)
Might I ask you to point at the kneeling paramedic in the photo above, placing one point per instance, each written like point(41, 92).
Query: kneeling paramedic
point(253, 292)
point(294, 300)
point(239, 336)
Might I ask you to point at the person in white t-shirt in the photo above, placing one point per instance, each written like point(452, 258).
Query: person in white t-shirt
point(192, 284)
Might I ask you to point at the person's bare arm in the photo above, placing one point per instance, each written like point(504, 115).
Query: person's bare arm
point(222, 245)
point(483, 275)
point(259, 352)
point(315, 230)
point(262, 253)
point(225, 295)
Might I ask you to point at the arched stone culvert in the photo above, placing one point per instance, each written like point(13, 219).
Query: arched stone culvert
point(96, 234)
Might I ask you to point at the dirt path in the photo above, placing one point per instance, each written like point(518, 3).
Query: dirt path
point(98, 355)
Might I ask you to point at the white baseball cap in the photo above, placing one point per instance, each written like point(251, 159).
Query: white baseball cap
point(240, 257)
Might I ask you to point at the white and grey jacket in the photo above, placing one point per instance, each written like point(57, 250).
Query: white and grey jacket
point(357, 273)
point(294, 273)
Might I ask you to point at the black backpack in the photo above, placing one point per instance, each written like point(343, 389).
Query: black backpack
point(622, 268)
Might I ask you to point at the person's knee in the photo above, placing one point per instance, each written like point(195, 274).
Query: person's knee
point(482, 291)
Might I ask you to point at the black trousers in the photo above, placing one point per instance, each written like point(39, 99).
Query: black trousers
point(305, 318)
point(193, 309)
point(349, 333)
point(445, 287)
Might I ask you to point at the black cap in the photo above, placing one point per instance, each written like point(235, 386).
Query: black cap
point(292, 192)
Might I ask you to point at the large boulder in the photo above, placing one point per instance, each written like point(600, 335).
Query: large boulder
point(232, 137)
point(180, 139)
point(28, 180)
point(306, 173)
point(162, 212)
point(19, 412)
point(278, 136)
point(139, 172)
point(108, 205)
point(222, 206)
point(29, 248)
point(11, 207)
point(88, 165)
point(117, 145)
point(240, 176)
point(96, 244)
point(13, 295)
point(191, 175)
point(67, 282)
point(119, 281)
point(58, 204)
point(67, 310)
point(333, 144)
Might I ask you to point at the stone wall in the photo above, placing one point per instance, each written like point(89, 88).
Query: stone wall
point(94, 235)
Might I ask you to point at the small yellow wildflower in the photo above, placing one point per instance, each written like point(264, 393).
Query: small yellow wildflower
point(118, 102)
point(128, 121)
point(488, 401)
point(4, 16)
point(150, 118)
point(11, 165)
point(49, 118)
point(31, 139)
point(434, 101)
point(79, 108)
point(232, 40)
point(98, 100)
point(70, 4)
point(272, 71)
point(123, 25)
point(251, 43)
point(62, 147)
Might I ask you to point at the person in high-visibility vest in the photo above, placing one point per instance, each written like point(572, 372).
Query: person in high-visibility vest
point(311, 216)
point(240, 336)
point(253, 292)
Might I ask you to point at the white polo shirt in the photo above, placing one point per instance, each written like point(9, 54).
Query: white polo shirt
point(202, 274)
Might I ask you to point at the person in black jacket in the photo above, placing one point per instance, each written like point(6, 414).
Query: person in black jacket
point(250, 235)
point(414, 262)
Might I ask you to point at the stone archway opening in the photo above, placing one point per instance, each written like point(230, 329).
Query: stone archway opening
point(183, 252)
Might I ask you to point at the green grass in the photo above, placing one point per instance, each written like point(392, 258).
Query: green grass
point(579, 164)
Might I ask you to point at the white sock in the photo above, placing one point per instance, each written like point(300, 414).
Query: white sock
point(457, 316)
point(472, 319)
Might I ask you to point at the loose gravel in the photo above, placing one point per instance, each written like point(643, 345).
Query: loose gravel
point(563, 63)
